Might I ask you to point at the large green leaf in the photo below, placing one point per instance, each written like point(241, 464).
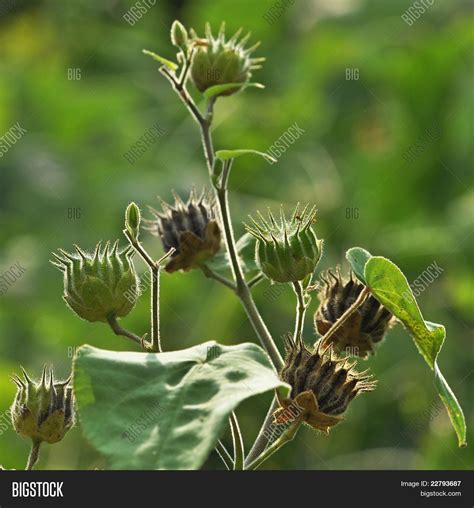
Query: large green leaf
point(390, 286)
point(167, 410)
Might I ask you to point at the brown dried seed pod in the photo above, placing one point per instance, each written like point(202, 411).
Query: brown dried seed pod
point(364, 329)
point(191, 228)
point(322, 385)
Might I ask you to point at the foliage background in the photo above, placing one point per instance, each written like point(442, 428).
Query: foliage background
point(411, 79)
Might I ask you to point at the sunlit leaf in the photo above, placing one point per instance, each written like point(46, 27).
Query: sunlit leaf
point(215, 90)
point(233, 154)
point(164, 61)
point(165, 411)
point(246, 250)
point(357, 258)
point(390, 286)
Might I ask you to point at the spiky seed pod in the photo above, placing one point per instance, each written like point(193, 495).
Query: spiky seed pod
point(191, 228)
point(218, 61)
point(288, 250)
point(367, 325)
point(322, 385)
point(42, 410)
point(96, 285)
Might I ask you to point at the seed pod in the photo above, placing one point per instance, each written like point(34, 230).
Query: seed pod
point(219, 62)
point(96, 285)
point(191, 228)
point(287, 251)
point(364, 329)
point(322, 386)
point(42, 410)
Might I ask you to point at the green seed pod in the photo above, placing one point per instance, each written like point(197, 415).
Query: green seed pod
point(190, 228)
point(364, 329)
point(179, 35)
point(96, 285)
point(132, 220)
point(322, 385)
point(43, 410)
point(288, 251)
point(219, 62)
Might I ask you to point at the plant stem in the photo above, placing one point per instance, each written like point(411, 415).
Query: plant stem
point(287, 436)
point(344, 318)
point(239, 450)
point(118, 330)
point(300, 312)
point(210, 274)
point(242, 289)
point(33, 456)
point(255, 280)
point(261, 440)
point(224, 455)
point(154, 267)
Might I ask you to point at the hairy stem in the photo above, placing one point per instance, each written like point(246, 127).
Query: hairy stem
point(255, 280)
point(261, 441)
point(118, 330)
point(344, 318)
point(154, 267)
point(287, 436)
point(224, 455)
point(239, 450)
point(300, 312)
point(33, 456)
point(242, 289)
point(210, 274)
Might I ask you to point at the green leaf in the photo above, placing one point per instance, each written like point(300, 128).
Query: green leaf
point(164, 61)
point(390, 286)
point(233, 154)
point(357, 258)
point(245, 249)
point(212, 91)
point(167, 410)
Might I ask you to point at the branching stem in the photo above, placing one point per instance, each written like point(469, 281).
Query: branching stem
point(287, 436)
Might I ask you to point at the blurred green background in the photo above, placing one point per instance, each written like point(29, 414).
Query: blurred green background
point(67, 180)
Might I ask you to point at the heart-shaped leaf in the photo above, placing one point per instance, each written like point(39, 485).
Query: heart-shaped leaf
point(233, 154)
point(390, 286)
point(163, 61)
point(166, 410)
point(212, 91)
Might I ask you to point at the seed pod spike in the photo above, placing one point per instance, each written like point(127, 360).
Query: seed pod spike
point(263, 220)
point(18, 381)
point(25, 375)
point(43, 377)
point(245, 39)
point(250, 50)
point(233, 40)
point(66, 255)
